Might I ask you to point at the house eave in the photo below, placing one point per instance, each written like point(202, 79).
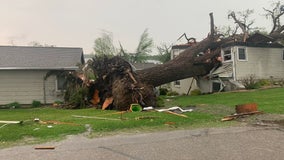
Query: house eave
point(40, 68)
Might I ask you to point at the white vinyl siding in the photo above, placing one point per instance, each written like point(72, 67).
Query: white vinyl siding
point(262, 62)
point(24, 86)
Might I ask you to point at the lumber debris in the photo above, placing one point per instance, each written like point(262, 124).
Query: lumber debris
point(95, 117)
point(12, 122)
point(177, 114)
point(146, 117)
point(44, 148)
point(234, 116)
point(58, 122)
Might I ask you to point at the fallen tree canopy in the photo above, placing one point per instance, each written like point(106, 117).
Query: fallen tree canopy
point(116, 79)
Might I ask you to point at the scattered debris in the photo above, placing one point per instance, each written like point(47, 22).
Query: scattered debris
point(175, 109)
point(3, 125)
point(94, 117)
point(108, 101)
point(146, 117)
point(12, 122)
point(135, 107)
point(148, 108)
point(246, 108)
point(177, 114)
point(242, 110)
point(57, 122)
point(45, 147)
point(170, 123)
point(234, 116)
point(49, 126)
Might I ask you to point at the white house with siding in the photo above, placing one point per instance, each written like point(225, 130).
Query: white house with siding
point(259, 56)
point(27, 73)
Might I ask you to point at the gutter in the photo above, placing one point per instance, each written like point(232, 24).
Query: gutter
point(40, 68)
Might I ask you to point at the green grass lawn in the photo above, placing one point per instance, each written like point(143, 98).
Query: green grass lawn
point(209, 111)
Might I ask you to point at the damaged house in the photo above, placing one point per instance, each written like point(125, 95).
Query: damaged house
point(259, 56)
point(36, 73)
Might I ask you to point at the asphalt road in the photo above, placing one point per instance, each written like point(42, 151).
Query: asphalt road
point(235, 143)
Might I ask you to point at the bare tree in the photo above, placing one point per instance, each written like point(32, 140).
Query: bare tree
point(242, 20)
point(275, 14)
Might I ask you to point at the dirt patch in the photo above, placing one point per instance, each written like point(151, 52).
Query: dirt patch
point(215, 109)
point(265, 119)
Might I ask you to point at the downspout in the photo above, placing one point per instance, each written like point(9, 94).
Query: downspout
point(44, 89)
point(234, 62)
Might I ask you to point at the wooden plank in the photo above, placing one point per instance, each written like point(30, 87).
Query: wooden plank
point(11, 122)
point(94, 117)
point(45, 147)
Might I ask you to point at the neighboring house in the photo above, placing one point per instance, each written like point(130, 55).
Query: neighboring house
point(33, 73)
point(183, 86)
point(258, 56)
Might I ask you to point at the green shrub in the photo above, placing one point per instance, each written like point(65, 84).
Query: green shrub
point(172, 93)
point(14, 105)
point(160, 102)
point(250, 82)
point(264, 82)
point(36, 104)
point(58, 102)
point(195, 92)
point(163, 91)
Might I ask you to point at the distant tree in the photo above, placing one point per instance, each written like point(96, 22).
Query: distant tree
point(274, 15)
point(143, 49)
point(164, 53)
point(104, 45)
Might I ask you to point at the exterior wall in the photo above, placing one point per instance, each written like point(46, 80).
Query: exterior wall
point(184, 86)
point(262, 62)
point(24, 86)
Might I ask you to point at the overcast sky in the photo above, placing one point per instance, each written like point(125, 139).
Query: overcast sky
point(77, 23)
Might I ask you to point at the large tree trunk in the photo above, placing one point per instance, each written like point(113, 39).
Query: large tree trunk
point(188, 64)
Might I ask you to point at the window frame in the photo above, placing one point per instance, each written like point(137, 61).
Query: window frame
point(177, 83)
point(225, 55)
point(59, 78)
point(245, 53)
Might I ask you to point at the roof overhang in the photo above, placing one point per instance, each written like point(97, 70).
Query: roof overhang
point(41, 68)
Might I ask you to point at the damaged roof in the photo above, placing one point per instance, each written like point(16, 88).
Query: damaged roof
point(256, 40)
point(20, 57)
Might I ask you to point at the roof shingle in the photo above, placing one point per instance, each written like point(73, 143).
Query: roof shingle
point(19, 57)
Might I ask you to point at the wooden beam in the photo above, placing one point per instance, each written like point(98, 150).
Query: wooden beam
point(11, 122)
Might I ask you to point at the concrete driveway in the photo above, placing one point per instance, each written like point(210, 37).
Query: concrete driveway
point(234, 143)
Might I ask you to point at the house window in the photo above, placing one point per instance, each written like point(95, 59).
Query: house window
point(61, 83)
point(227, 55)
point(242, 54)
point(216, 86)
point(176, 83)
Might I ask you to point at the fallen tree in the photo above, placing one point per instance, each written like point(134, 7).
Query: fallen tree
point(118, 85)
point(116, 79)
